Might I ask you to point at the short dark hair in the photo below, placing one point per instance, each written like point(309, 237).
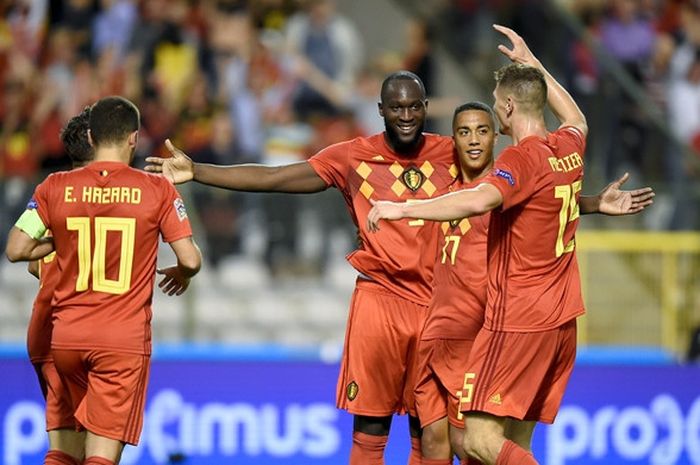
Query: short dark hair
point(526, 83)
point(112, 119)
point(475, 105)
point(402, 76)
point(75, 139)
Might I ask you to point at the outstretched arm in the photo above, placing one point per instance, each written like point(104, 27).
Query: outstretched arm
point(295, 178)
point(452, 206)
point(560, 101)
point(615, 202)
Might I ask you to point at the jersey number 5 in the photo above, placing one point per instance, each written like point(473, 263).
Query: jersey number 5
point(96, 262)
point(569, 212)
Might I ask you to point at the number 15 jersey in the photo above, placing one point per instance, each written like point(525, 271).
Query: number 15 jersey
point(106, 219)
point(534, 282)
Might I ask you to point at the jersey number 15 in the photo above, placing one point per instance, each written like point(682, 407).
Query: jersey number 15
point(569, 212)
point(95, 263)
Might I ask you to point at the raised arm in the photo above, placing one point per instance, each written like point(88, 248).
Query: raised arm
point(294, 178)
point(560, 101)
point(448, 207)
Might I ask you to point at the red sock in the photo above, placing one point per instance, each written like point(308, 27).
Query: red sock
point(95, 460)
point(415, 456)
point(366, 449)
point(425, 461)
point(57, 457)
point(513, 454)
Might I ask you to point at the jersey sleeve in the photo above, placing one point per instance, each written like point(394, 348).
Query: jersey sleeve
point(174, 223)
point(574, 136)
point(35, 219)
point(331, 164)
point(514, 176)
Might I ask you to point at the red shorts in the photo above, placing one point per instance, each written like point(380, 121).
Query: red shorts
point(441, 365)
point(520, 375)
point(107, 390)
point(59, 412)
point(378, 369)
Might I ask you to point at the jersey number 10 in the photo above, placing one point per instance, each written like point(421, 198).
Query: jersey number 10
point(96, 262)
point(569, 212)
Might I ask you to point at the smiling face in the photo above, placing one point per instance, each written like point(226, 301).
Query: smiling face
point(474, 135)
point(403, 108)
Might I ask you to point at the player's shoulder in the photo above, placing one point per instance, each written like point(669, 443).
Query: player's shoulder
point(433, 139)
point(438, 147)
point(58, 177)
point(148, 179)
point(570, 132)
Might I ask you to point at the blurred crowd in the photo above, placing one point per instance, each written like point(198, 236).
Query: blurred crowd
point(632, 65)
point(273, 81)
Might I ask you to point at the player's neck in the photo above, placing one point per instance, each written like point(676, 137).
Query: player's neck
point(526, 126)
point(469, 176)
point(113, 153)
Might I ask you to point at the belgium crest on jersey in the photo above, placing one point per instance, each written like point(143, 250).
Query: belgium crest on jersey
point(352, 390)
point(413, 178)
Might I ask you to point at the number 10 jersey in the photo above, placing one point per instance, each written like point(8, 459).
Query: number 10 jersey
point(106, 219)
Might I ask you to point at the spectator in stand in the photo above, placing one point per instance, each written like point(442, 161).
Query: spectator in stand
point(112, 28)
point(630, 38)
point(332, 46)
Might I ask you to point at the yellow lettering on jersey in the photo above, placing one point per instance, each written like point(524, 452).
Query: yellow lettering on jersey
point(130, 195)
point(68, 194)
point(567, 163)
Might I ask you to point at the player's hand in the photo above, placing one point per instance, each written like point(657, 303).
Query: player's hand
point(177, 169)
point(520, 53)
point(173, 282)
point(383, 210)
point(615, 202)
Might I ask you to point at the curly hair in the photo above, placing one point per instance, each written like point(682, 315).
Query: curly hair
point(75, 139)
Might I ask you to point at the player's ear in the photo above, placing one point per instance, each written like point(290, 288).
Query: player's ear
point(509, 105)
point(381, 109)
point(133, 138)
point(89, 137)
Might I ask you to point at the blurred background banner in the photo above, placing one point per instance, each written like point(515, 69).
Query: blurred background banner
point(622, 407)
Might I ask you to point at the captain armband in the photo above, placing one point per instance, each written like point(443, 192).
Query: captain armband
point(30, 222)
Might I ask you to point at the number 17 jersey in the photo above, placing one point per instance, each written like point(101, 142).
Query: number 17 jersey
point(106, 219)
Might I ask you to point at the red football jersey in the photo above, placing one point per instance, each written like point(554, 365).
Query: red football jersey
point(106, 219)
point(401, 255)
point(534, 282)
point(459, 285)
point(40, 325)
